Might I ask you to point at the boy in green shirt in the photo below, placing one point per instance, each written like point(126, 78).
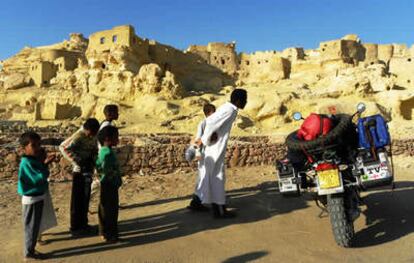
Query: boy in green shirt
point(32, 185)
point(109, 172)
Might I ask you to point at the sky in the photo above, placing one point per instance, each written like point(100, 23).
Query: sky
point(254, 25)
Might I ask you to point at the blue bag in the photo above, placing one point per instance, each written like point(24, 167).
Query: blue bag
point(373, 132)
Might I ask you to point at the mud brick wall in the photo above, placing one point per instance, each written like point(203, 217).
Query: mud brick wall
point(405, 147)
point(151, 154)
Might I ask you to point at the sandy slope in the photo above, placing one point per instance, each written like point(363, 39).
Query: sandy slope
point(156, 227)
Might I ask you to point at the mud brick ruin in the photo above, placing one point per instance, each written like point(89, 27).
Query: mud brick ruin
point(161, 90)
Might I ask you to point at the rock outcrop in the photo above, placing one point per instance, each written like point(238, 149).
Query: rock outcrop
point(162, 89)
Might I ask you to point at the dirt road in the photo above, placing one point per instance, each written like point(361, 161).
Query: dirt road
point(156, 227)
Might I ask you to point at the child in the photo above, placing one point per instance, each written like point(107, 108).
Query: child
point(111, 114)
point(32, 185)
point(110, 178)
point(81, 150)
point(195, 203)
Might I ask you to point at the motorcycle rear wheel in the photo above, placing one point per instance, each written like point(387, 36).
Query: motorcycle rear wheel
point(342, 227)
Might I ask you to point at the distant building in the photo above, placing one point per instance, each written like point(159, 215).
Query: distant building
point(42, 72)
point(219, 55)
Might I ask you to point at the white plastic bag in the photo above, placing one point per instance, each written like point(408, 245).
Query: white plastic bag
point(48, 220)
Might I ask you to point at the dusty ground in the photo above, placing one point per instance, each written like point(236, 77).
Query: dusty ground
point(156, 227)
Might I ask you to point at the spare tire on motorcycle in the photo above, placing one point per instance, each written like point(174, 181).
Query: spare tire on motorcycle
point(342, 125)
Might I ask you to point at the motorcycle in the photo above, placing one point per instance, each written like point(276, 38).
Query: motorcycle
point(334, 168)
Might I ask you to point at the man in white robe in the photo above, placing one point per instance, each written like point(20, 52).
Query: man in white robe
point(220, 122)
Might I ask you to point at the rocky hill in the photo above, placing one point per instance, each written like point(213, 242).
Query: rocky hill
point(162, 89)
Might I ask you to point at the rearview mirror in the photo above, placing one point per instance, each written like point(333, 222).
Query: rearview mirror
point(361, 107)
point(297, 116)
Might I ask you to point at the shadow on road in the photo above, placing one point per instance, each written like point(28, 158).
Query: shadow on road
point(389, 216)
point(252, 204)
point(246, 257)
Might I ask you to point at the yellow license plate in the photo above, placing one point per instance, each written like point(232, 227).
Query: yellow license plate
point(329, 179)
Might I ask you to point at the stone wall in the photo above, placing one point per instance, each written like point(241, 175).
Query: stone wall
point(371, 52)
point(42, 72)
point(385, 52)
point(217, 54)
point(160, 154)
point(262, 67)
point(403, 67)
point(107, 39)
point(347, 50)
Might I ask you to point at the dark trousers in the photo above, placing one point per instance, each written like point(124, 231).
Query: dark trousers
point(108, 211)
point(32, 215)
point(79, 205)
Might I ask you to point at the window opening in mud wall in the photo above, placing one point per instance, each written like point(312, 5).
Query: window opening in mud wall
point(223, 61)
point(407, 109)
point(102, 40)
point(114, 38)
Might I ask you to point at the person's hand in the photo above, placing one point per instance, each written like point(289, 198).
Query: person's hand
point(49, 158)
point(76, 168)
point(198, 142)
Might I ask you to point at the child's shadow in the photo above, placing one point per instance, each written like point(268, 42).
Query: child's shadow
point(255, 203)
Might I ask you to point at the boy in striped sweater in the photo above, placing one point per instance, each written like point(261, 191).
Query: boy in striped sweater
point(81, 149)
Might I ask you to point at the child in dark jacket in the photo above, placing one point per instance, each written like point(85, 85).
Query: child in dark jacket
point(109, 172)
point(32, 185)
point(81, 150)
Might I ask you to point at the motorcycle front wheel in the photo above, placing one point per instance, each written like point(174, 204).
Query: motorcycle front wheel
point(342, 226)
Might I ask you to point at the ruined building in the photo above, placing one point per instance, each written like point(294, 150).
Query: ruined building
point(118, 48)
point(220, 55)
point(42, 63)
point(117, 65)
